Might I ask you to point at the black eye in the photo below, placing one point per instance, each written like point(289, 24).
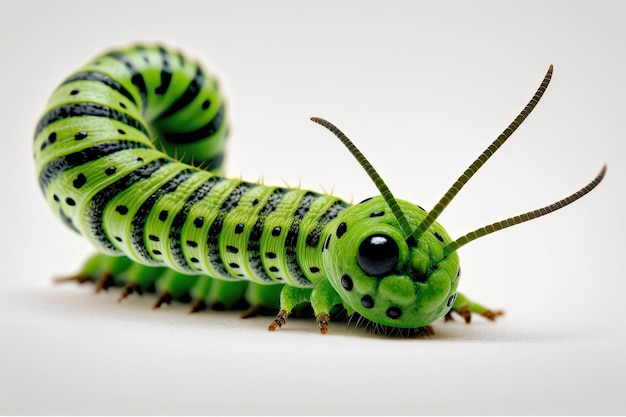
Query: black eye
point(378, 255)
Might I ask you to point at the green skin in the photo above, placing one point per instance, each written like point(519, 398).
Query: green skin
point(217, 245)
point(421, 285)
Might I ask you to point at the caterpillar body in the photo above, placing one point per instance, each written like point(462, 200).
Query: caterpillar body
point(119, 153)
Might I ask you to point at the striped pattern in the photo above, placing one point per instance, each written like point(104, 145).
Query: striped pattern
point(127, 197)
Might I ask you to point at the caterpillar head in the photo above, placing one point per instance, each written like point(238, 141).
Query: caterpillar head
point(392, 262)
point(382, 276)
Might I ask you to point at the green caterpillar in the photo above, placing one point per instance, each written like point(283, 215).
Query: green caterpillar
point(119, 151)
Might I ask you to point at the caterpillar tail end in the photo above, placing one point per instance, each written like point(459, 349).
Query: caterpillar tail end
point(279, 321)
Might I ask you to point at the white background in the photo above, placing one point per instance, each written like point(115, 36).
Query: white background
point(422, 88)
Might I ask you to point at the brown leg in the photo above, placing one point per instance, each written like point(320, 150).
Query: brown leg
point(322, 322)
point(199, 305)
point(163, 298)
point(279, 321)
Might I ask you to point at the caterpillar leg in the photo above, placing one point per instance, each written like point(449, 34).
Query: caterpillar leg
point(464, 307)
point(323, 299)
point(100, 269)
point(290, 297)
point(200, 290)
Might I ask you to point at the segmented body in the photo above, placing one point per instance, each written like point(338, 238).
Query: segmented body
point(100, 168)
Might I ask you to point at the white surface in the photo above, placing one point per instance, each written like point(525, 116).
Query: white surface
point(422, 88)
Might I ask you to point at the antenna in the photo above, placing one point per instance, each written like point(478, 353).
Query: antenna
point(475, 166)
point(376, 178)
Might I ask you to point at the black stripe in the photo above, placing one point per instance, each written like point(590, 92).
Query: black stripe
point(188, 96)
point(54, 168)
point(179, 220)
point(218, 223)
point(141, 216)
point(205, 131)
point(313, 239)
point(102, 198)
point(101, 78)
point(166, 72)
point(253, 248)
point(295, 271)
point(135, 75)
point(67, 111)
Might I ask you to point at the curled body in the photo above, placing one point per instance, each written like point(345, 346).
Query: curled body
point(129, 154)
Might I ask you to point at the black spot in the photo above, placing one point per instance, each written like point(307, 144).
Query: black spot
point(367, 199)
point(163, 215)
point(421, 208)
point(451, 300)
point(119, 239)
point(205, 104)
point(192, 244)
point(276, 231)
point(341, 229)
point(367, 301)
point(194, 260)
point(122, 105)
point(239, 228)
point(52, 138)
point(80, 135)
point(80, 181)
point(394, 312)
point(439, 237)
point(121, 132)
point(314, 269)
point(156, 252)
point(231, 249)
point(233, 265)
point(198, 222)
point(377, 213)
point(273, 269)
point(346, 282)
point(110, 170)
point(70, 201)
point(55, 198)
point(255, 202)
point(270, 255)
point(121, 209)
point(73, 92)
point(153, 238)
point(139, 159)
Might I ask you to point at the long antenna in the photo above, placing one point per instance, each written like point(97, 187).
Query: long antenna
point(475, 166)
point(512, 221)
point(376, 178)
